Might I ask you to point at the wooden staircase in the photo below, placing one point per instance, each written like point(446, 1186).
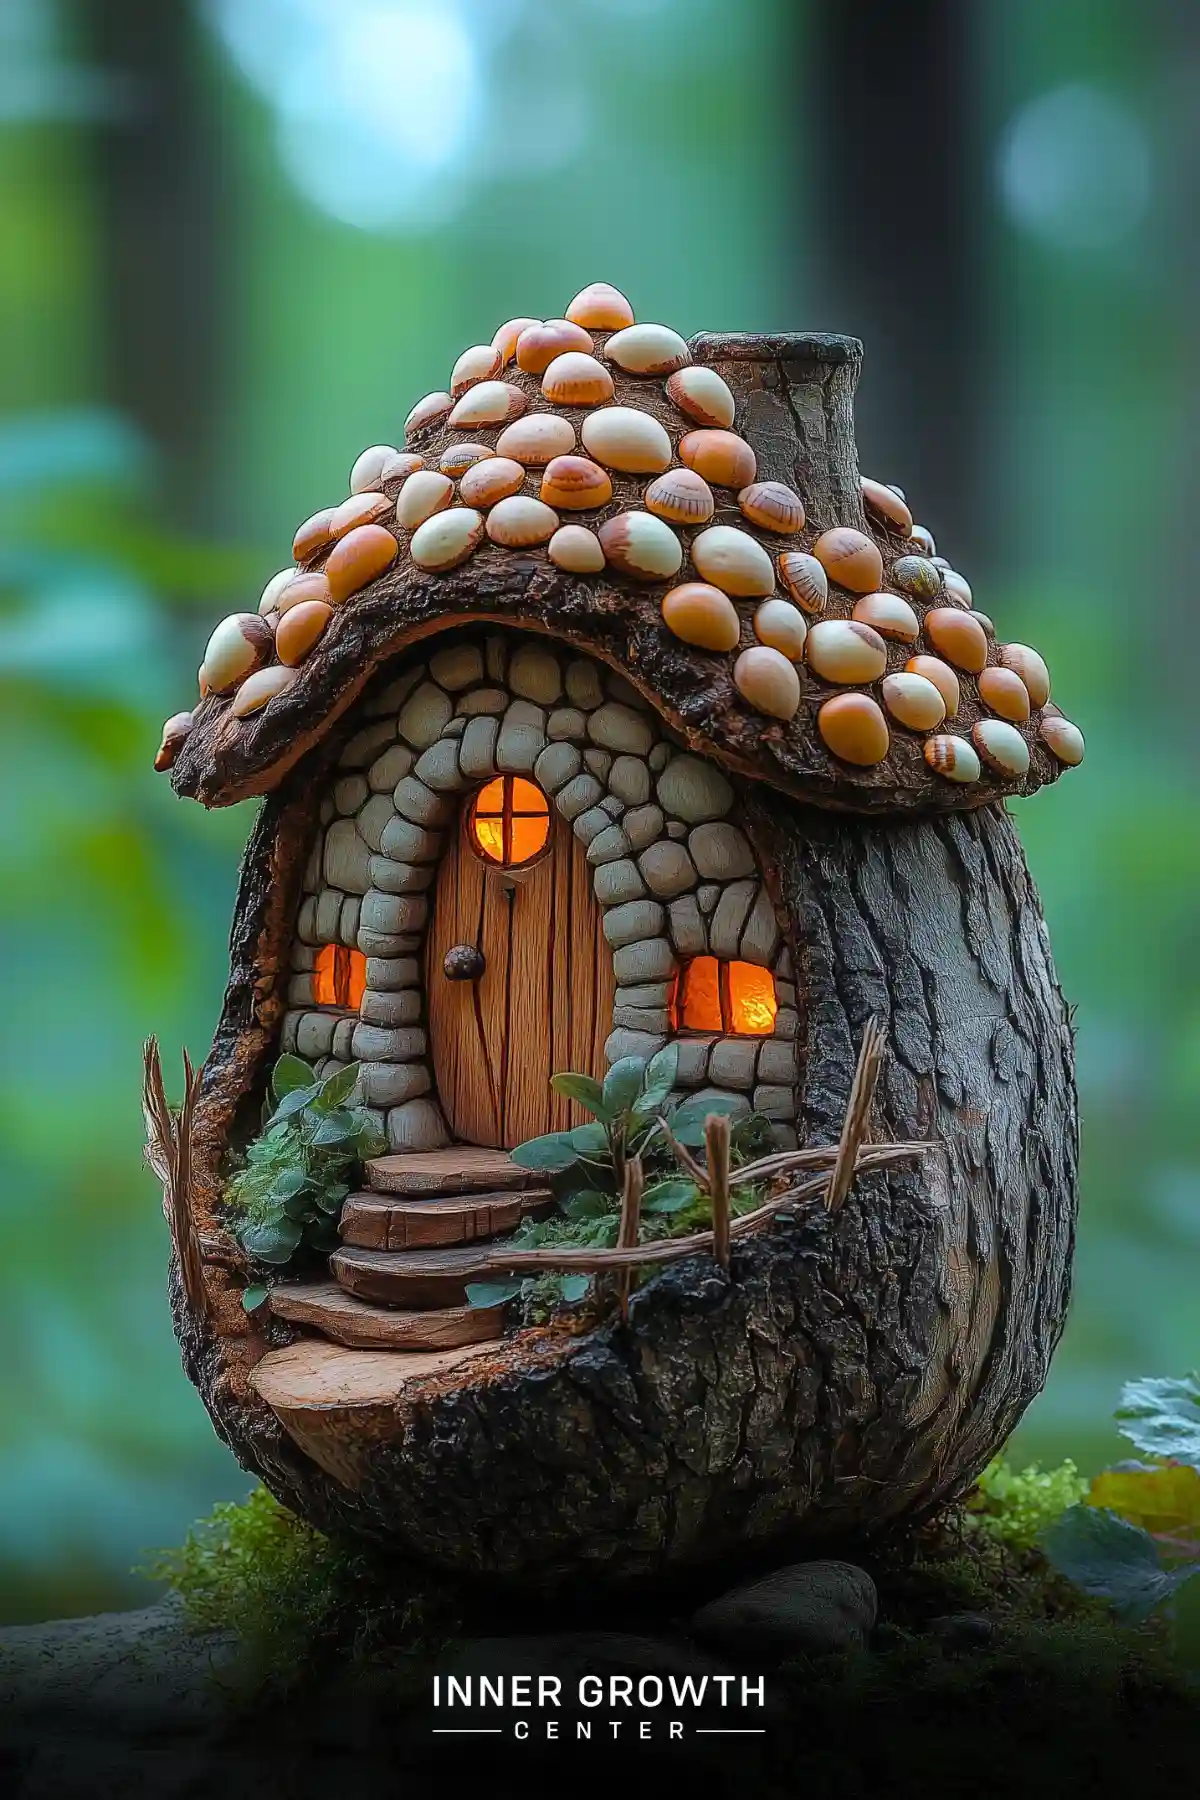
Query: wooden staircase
point(398, 1282)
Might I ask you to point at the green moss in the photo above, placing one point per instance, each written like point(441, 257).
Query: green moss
point(1017, 1505)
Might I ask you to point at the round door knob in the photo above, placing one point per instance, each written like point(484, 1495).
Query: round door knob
point(463, 963)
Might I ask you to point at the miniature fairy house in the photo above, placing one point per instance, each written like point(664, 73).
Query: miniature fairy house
point(616, 712)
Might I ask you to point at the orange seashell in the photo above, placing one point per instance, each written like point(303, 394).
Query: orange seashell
point(505, 340)
point(805, 580)
point(447, 539)
point(538, 345)
point(422, 495)
point(259, 689)
point(428, 411)
point(1003, 692)
point(314, 537)
point(853, 727)
point(456, 459)
point(1032, 669)
point(913, 700)
point(767, 681)
point(536, 439)
point(627, 439)
point(520, 521)
point(1063, 739)
point(576, 379)
point(400, 464)
point(299, 631)
point(958, 636)
point(703, 396)
point(702, 615)
point(302, 588)
point(1001, 747)
point(720, 456)
point(491, 403)
point(850, 558)
point(733, 561)
point(359, 509)
point(642, 546)
point(890, 616)
point(575, 548)
point(358, 558)
point(843, 650)
point(886, 504)
point(773, 506)
point(239, 644)
point(576, 483)
point(953, 758)
point(479, 363)
point(486, 482)
point(648, 350)
point(782, 626)
point(942, 676)
point(681, 496)
point(599, 307)
point(369, 466)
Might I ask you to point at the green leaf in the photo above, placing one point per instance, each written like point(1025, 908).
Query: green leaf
point(287, 1183)
point(660, 1079)
point(589, 1140)
point(554, 1151)
point(337, 1127)
point(330, 1195)
point(253, 1297)
point(290, 1073)
point(493, 1293)
point(623, 1084)
point(273, 1241)
point(340, 1085)
point(670, 1196)
point(300, 1206)
point(293, 1103)
point(687, 1121)
point(1162, 1417)
point(584, 1088)
point(587, 1205)
point(1113, 1560)
point(322, 1235)
point(574, 1287)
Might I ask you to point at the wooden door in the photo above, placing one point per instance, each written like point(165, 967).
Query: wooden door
point(544, 1001)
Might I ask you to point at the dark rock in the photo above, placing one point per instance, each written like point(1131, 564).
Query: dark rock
point(809, 1608)
point(963, 1631)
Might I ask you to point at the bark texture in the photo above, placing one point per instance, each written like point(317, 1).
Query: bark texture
point(853, 1370)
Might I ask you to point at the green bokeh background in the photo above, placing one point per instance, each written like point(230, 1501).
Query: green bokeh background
point(144, 495)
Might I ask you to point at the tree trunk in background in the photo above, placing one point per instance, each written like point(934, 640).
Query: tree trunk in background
point(158, 173)
point(899, 197)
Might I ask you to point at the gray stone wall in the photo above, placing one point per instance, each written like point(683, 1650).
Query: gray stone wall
point(675, 877)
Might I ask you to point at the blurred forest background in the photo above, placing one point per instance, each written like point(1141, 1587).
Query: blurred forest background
point(238, 238)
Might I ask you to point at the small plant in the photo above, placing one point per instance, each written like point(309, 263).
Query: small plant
point(1016, 1505)
point(290, 1188)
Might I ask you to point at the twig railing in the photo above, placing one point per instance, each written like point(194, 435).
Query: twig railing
point(169, 1154)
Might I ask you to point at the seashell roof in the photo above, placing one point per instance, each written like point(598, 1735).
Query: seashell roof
point(382, 599)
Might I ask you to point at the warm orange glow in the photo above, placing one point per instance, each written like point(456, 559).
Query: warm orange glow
point(509, 822)
point(735, 997)
point(339, 977)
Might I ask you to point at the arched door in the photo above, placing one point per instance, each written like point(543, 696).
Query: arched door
point(514, 886)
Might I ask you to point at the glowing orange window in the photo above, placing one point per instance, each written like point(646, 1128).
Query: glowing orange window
point(509, 822)
point(339, 977)
point(731, 997)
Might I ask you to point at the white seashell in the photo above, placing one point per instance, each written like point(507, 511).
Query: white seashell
point(486, 482)
point(768, 681)
point(538, 345)
point(782, 626)
point(627, 439)
point(400, 464)
point(520, 521)
point(703, 396)
point(423, 494)
point(648, 350)
point(174, 733)
point(952, 757)
point(805, 580)
point(426, 411)
point(368, 468)
point(890, 616)
point(682, 497)
point(773, 506)
point(642, 546)
point(1032, 669)
point(490, 403)
point(914, 701)
point(259, 689)
point(1001, 746)
point(888, 504)
point(1063, 739)
point(733, 561)
point(270, 594)
point(479, 363)
point(600, 307)
point(238, 645)
point(456, 459)
point(842, 650)
point(536, 439)
point(447, 539)
point(922, 535)
point(577, 379)
point(958, 586)
point(575, 548)
point(505, 340)
point(942, 676)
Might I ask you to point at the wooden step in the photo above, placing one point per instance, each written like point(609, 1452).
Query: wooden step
point(386, 1222)
point(416, 1278)
point(359, 1325)
point(461, 1169)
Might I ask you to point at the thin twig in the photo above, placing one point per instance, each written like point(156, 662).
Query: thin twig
point(169, 1154)
point(716, 1142)
point(627, 1230)
point(683, 1156)
point(858, 1111)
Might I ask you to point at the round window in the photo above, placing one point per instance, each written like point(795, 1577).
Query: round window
point(509, 822)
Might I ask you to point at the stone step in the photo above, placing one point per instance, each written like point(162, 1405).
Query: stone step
point(358, 1325)
point(409, 1278)
point(372, 1221)
point(460, 1169)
